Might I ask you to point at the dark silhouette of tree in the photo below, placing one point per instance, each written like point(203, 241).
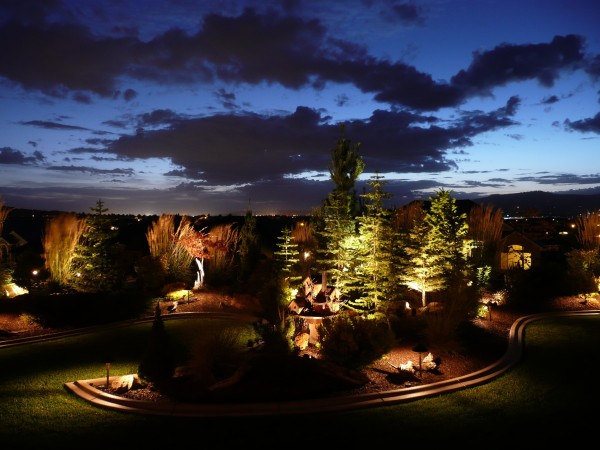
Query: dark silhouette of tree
point(157, 364)
point(249, 247)
point(485, 224)
point(286, 256)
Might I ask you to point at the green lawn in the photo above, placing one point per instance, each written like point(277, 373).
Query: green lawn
point(549, 397)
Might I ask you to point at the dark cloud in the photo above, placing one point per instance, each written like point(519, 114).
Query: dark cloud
point(250, 148)
point(509, 63)
point(44, 58)
point(11, 156)
point(408, 13)
point(590, 125)
point(246, 48)
point(129, 95)
point(266, 160)
point(593, 68)
point(52, 125)
point(550, 100)
point(157, 117)
point(566, 178)
point(227, 99)
point(92, 170)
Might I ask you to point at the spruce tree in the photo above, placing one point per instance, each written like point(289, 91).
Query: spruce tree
point(157, 364)
point(97, 260)
point(337, 219)
point(375, 240)
point(249, 248)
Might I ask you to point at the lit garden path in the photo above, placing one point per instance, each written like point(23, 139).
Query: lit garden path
point(87, 390)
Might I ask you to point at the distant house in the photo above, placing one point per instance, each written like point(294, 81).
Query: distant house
point(517, 251)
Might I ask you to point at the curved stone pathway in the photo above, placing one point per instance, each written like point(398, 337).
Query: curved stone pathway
point(87, 390)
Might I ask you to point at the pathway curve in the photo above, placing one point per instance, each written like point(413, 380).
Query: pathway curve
point(87, 389)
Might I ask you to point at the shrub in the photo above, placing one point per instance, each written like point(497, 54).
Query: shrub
point(215, 356)
point(157, 364)
point(354, 341)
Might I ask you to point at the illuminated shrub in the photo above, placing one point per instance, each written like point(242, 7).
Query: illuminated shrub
point(353, 341)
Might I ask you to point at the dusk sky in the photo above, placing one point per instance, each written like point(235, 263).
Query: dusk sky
point(219, 107)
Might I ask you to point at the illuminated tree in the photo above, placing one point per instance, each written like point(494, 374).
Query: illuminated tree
point(61, 236)
point(376, 242)
point(221, 255)
point(424, 269)
point(584, 262)
point(337, 217)
point(167, 246)
point(286, 255)
point(98, 258)
point(437, 248)
point(197, 244)
point(307, 245)
point(448, 233)
point(588, 231)
point(5, 271)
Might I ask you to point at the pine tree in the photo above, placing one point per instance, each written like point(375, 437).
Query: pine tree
point(249, 248)
point(157, 364)
point(448, 234)
point(375, 239)
point(424, 268)
point(286, 256)
point(97, 260)
point(337, 224)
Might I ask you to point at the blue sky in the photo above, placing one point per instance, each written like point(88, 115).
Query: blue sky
point(217, 107)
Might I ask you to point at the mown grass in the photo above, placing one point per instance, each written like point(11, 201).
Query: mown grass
point(549, 397)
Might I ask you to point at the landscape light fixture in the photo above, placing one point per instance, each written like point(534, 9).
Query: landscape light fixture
point(420, 348)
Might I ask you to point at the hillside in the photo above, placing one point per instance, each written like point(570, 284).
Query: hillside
point(539, 203)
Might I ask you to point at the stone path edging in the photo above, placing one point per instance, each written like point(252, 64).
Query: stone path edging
point(86, 388)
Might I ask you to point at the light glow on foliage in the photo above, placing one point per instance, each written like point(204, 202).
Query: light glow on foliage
point(12, 290)
point(179, 294)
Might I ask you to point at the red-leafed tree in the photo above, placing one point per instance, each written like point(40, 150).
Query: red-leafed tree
point(198, 244)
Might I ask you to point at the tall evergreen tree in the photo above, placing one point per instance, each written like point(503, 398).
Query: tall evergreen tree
point(97, 260)
point(286, 256)
point(424, 270)
point(157, 364)
point(448, 233)
point(437, 248)
point(338, 231)
point(376, 241)
point(249, 247)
